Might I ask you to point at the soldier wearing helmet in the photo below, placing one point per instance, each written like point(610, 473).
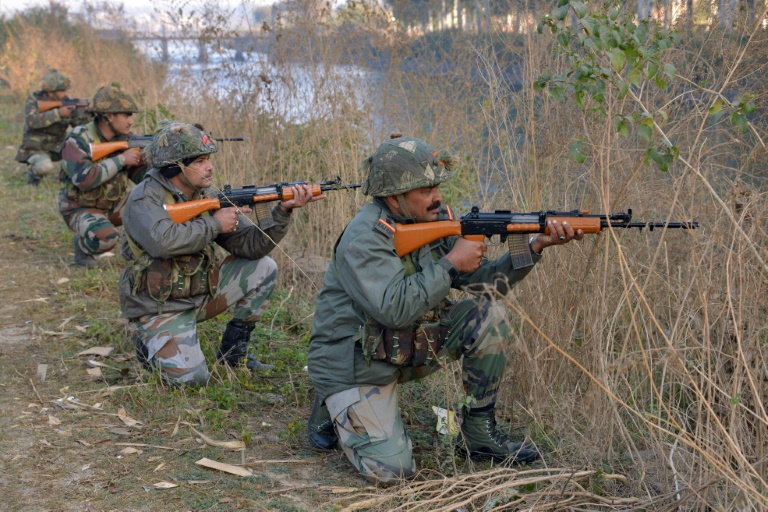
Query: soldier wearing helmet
point(177, 277)
point(45, 131)
point(382, 320)
point(92, 199)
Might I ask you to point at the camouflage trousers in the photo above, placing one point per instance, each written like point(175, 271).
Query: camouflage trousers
point(367, 418)
point(95, 229)
point(171, 339)
point(41, 165)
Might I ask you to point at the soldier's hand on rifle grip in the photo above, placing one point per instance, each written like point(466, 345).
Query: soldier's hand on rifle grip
point(302, 194)
point(132, 156)
point(229, 218)
point(559, 233)
point(467, 255)
point(66, 111)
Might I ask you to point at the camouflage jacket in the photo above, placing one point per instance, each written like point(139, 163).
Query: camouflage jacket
point(368, 280)
point(148, 226)
point(101, 184)
point(45, 131)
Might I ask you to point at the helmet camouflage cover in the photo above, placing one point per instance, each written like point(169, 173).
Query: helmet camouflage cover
point(402, 164)
point(109, 99)
point(55, 81)
point(175, 142)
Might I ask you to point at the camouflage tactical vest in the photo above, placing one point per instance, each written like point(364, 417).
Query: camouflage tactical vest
point(180, 277)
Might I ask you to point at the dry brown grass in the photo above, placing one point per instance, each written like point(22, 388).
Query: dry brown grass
point(639, 354)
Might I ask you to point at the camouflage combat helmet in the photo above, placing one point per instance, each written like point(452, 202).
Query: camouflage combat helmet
point(175, 142)
point(55, 81)
point(402, 164)
point(109, 99)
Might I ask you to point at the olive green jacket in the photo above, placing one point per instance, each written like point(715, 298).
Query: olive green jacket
point(148, 224)
point(366, 279)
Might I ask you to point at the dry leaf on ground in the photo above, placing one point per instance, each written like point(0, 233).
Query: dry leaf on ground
point(97, 351)
point(127, 419)
point(232, 445)
point(42, 371)
point(221, 466)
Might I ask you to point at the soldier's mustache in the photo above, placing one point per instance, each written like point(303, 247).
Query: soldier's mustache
point(434, 206)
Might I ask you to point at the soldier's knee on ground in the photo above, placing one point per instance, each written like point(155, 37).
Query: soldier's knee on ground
point(41, 165)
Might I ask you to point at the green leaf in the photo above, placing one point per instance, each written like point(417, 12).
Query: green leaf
point(739, 120)
point(645, 132)
point(634, 76)
point(621, 127)
point(579, 96)
point(623, 89)
point(617, 58)
point(749, 108)
point(576, 149)
point(589, 27)
point(660, 82)
point(651, 69)
point(579, 7)
point(664, 115)
point(563, 38)
point(670, 71)
point(717, 107)
point(558, 93)
point(562, 12)
point(613, 13)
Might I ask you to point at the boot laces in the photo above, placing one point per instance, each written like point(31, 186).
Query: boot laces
point(494, 434)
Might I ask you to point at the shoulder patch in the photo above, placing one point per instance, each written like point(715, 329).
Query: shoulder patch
point(385, 226)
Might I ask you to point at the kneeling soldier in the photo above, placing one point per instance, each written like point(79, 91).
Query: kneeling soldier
point(178, 277)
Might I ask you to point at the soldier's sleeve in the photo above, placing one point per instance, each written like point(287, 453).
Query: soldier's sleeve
point(374, 277)
point(248, 241)
point(499, 273)
point(147, 222)
point(36, 120)
point(83, 172)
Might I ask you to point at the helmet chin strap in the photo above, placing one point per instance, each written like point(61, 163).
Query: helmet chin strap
point(403, 207)
point(186, 178)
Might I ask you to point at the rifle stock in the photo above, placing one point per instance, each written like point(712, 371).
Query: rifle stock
point(46, 105)
point(103, 149)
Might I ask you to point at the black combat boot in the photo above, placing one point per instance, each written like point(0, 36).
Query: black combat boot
point(234, 347)
point(142, 354)
point(484, 440)
point(82, 258)
point(32, 179)
point(320, 431)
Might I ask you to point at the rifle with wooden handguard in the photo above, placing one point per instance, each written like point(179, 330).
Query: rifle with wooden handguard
point(101, 149)
point(515, 227)
point(46, 105)
point(250, 196)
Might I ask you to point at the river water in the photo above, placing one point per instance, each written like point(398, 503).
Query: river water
point(298, 93)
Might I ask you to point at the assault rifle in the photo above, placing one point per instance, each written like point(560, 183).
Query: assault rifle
point(515, 227)
point(102, 149)
point(46, 105)
point(248, 196)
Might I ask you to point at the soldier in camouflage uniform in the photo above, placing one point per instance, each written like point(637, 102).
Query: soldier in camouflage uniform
point(44, 132)
point(179, 276)
point(93, 197)
point(382, 320)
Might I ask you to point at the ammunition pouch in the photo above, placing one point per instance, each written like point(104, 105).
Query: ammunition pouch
point(415, 346)
point(103, 197)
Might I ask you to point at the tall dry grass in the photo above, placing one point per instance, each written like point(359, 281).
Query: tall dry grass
point(640, 353)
